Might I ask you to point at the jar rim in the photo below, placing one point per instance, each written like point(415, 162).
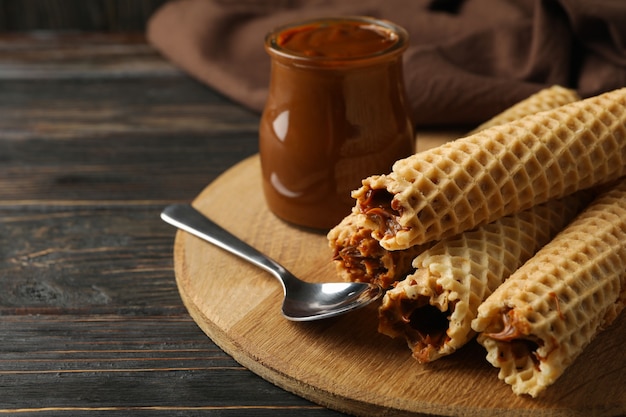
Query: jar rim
point(400, 42)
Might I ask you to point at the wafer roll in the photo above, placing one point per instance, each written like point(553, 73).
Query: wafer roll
point(433, 308)
point(359, 257)
point(536, 323)
point(475, 180)
point(546, 99)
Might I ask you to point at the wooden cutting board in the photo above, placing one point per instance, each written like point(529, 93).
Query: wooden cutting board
point(343, 363)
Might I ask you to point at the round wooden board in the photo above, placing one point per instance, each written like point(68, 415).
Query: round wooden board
point(343, 363)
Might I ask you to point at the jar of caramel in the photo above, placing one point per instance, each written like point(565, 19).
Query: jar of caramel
point(336, 113)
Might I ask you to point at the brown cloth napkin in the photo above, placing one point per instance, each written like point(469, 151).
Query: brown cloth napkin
point(468, 60)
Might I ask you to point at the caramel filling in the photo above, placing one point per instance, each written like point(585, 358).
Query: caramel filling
point(430, 326)
point(378, 207)
point(513, 328)
point(363, 260)
point(516, 334)
point(423, 325)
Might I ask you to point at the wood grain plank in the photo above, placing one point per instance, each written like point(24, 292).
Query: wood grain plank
point(80, 55)
point(76, 14)
point(117, 139)
point(66, 171)
point(86, 260)
point(73, 109)
point(107, 363)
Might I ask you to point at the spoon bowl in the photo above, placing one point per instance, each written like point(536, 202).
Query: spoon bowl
point(303, 301)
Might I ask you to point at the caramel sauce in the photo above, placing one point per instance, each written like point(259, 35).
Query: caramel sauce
point(378, 206)
point(331, 120)
point(344, 39)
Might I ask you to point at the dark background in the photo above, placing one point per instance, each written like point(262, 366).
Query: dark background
point(76, 15)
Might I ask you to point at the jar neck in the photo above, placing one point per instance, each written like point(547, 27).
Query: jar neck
point(337, 43)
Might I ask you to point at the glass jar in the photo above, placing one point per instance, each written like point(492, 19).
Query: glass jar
point(336, 113)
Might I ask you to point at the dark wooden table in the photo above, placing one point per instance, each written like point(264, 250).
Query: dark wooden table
point(97, 134)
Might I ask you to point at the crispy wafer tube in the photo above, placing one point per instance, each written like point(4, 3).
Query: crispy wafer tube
point(475, 180)
point(433, 308)
point(546, 99)
point(536, 323)
point(359, 257)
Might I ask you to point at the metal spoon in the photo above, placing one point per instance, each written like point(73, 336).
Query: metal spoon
point(303, 301)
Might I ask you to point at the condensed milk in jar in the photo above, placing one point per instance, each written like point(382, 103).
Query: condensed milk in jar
point(336, 113)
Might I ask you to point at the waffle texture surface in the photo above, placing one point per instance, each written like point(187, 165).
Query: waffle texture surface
point(546, 99)
point(538, 321)
point(499, 171)
point(433, 307)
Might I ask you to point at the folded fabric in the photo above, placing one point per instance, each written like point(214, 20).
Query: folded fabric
point(468, 60)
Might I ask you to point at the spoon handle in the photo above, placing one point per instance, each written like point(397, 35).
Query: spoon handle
point(187, 218)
